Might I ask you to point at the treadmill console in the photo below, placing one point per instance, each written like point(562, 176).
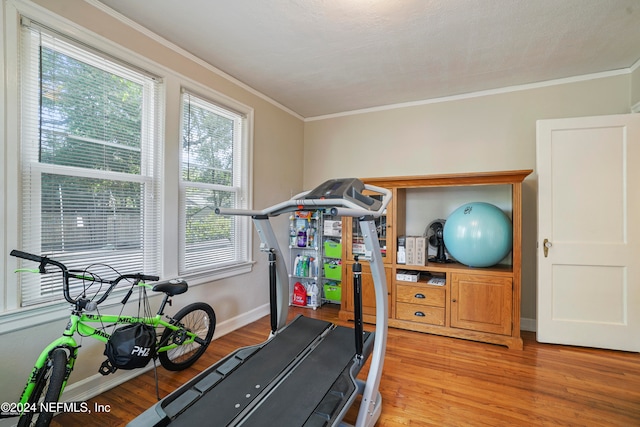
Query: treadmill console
point(345, 188)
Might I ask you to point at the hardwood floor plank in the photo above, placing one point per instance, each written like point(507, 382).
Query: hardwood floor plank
point(438, 381)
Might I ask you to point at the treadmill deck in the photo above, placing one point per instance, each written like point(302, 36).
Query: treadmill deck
point(303, 376)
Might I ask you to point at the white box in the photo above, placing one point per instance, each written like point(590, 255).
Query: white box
point(332, 228)
point(411, 250)
point(407, 275)
point(358, 248)
point(401, 256)
point(421, 251)
point(412, 276)
point(437, 281)
point(416, 251)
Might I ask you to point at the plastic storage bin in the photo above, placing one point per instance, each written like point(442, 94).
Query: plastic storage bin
point(333, 271)
point(332, 292)
point(332, 249)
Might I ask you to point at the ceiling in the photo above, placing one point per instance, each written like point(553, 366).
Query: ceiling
point(321, 57)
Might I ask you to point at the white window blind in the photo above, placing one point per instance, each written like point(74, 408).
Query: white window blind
point(212, 176)
point(89, 161)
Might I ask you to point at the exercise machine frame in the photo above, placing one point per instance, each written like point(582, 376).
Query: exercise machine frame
point(342, 197)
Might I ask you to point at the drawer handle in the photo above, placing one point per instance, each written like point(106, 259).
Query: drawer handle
point(421, 296)
point(419, 314)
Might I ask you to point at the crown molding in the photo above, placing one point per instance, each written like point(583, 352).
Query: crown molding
point(478, 94)
point(166, 43)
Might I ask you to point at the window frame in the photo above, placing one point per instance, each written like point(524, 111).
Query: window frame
point(33, 38)
point(243, 226)
point(12, 316)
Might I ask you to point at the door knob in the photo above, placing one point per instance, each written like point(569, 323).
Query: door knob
point(545, 247)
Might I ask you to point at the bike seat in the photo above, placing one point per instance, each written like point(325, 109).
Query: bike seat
point(171, 287)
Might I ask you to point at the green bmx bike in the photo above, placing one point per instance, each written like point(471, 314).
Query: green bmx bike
point(177, 341)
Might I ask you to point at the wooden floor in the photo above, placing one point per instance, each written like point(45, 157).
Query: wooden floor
point(438, 381)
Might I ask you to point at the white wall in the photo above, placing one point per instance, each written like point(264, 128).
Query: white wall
point(488, 132)
point(635, 88)
point(236, 300)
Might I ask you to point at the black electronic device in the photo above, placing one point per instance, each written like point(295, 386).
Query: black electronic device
point(435, 237)
point(344, 188)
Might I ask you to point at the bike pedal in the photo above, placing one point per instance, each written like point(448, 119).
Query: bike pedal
point(107, 368)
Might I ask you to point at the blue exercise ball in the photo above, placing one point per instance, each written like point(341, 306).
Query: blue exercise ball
point(478, 234)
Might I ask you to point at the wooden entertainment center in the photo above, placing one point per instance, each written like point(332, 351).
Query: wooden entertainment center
point(481, 304)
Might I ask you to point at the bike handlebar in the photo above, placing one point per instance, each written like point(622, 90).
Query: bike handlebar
point(66, 274)
point(26, 255)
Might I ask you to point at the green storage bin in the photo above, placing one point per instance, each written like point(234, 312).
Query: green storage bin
point(332, 249)
point(333, 271)
point(332, 292)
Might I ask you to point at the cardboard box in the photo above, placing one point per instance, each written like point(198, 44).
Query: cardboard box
point(421, 251)
point(332, 228)
point(410, 250)
point(416, 250)
point(407, 275)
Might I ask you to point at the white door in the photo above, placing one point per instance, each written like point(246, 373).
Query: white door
point(589, 217)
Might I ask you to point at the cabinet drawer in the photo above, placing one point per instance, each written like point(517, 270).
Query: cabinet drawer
point(420, 313)
point(421, 295)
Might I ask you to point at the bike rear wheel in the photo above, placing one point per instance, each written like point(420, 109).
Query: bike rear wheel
point(48, 387)
point(198, 318)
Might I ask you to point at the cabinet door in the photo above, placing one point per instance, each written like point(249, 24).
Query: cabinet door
point(368, 291)
point(355, 242)
point(481, 303)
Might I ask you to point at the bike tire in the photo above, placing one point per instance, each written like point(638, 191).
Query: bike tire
point(198, 317)
point(49, 383)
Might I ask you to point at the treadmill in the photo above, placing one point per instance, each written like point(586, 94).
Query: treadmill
point(305, 373)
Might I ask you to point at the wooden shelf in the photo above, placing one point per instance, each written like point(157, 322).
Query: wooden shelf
point(457, 179)
point(481, 304)
point(455, 266)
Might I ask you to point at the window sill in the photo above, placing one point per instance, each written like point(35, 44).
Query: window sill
point(199, 278)
point(29, 317)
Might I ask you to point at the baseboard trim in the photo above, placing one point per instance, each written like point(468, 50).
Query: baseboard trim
point(94, 385)
point(528, 324)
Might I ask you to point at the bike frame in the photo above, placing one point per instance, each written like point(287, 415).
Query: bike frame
point(78, 323)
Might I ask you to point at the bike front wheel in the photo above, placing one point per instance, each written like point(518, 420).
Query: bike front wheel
point(47, 389)
point(197, 318)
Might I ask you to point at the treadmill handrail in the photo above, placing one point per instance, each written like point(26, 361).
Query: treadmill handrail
point(371, 400)
point(338, 207)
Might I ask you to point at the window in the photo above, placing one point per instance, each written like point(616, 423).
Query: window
point(89, 160)
point(213, 174)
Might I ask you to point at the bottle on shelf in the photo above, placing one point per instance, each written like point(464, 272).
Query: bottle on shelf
point(299, 294)
point(311, 232)
point(292, 231)
point(302, 238)
point(312, 294)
